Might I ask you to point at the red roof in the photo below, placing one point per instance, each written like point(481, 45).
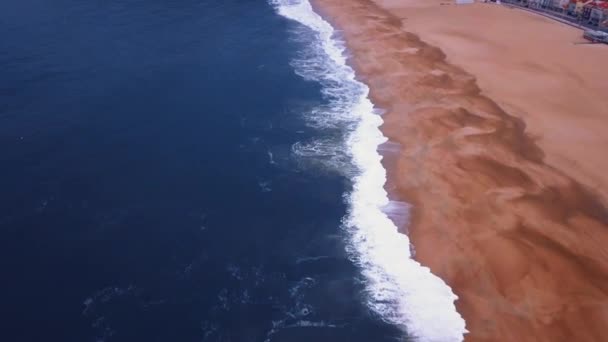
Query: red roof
point(600, 3)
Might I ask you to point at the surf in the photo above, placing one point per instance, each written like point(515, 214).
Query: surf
point(399, 290)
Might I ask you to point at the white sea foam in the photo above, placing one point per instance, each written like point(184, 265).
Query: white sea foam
point(400, 290)
point(328, 154)
point(398, 212)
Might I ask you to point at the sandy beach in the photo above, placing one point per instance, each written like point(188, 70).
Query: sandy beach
point(502, 120)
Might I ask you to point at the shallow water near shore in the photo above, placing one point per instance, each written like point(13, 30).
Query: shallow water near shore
point(398, 289)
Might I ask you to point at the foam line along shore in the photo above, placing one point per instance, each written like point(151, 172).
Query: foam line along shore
point(400, 290)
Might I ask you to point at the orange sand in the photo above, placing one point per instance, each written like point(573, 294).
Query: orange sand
point(503, 157)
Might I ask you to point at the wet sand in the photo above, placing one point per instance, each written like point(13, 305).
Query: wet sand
point(503, 127)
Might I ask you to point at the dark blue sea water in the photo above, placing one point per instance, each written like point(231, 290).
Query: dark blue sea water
point(148, 189)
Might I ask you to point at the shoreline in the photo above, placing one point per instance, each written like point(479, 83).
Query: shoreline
point(492, 214)
point(400, 293)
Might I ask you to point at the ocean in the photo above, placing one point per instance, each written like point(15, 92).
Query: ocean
point(197, 170)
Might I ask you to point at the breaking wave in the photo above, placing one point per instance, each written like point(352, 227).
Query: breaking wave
point(399, 289)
